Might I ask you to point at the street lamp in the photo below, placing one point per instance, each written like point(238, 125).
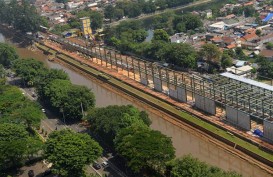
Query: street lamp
point(62, 111)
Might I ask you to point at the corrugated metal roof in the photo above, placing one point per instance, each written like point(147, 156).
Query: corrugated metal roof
point(247, 81)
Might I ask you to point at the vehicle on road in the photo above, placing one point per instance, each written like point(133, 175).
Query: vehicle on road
point(96, 166)
point(104, 164)
point(47, 172)
point(43, 110)
point(33, 94)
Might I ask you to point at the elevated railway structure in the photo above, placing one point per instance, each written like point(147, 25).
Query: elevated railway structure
point(245, 103)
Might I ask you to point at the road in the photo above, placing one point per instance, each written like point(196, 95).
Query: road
point(143, 16)
point(51, 122)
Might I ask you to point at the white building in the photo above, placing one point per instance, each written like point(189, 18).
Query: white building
point(217, 26)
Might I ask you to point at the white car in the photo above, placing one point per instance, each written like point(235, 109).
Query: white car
point(104, 164)
point(43, 110)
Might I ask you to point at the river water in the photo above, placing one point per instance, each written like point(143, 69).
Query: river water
point(184, 141)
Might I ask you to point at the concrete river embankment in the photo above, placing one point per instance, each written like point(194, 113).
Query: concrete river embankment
point(185, 141)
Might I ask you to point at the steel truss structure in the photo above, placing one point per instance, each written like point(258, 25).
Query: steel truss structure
point(242, 98)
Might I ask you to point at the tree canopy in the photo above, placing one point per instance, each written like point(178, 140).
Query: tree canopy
point(187, 22)
point(7, 54)
point(68, 98)
point(211, 53)
point(188, 166)
point(15, 145)
point(70, 152)
point(144, 149)
point(27, 113)
point(15, 108)
point(161, 34)
point(28, 69)
point(266, 67)
point(22, 16)
point(47, 76)
point(109, 120)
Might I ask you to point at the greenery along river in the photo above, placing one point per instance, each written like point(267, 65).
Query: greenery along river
point(185, 141)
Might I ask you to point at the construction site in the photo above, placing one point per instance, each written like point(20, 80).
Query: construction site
point(243, 102)
point(239, 106)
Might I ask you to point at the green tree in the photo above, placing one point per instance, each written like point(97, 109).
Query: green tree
point(134, 10)
point(161, 34)
point(188, 166)
point(269, 45)
point(182, 55)
point(61, 92)
point(70, 152)
point(109, 12)
point(266, 67)
point(210, 53)
point(226, 61)
point(27, 113)
point(109, 120)
point(74, 22)
point(96, 20)
point(28, 69)
point(240, 53)
point(149, 7)
point(7, 54)
point(187, 22)
point(139, 35)
point(2, 75)
point(258, 32)
point(26, 17)
point(13, 146)
point(144, 149)
point(47, 76)
point(119, 13)
point(10, 96)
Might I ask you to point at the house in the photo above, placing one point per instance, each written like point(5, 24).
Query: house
point(267, 54)
point(230, 16)
point(249, 37)
point(179, 38)
point(266, 38)
point(251, 3)
point(243, 70)
point(217, 26)
point(208, 13)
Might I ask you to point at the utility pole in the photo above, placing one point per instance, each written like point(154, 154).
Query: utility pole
point(82, 111)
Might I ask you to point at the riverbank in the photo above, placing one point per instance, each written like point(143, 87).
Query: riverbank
point(234, 142)
point(184, 136)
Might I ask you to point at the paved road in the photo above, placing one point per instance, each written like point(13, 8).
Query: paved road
point(143, 16)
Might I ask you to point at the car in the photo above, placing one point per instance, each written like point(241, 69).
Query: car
point(31, 173)
point(33, 94)
point(43, 110)
point(104, 164)
point(96, 166)
point(47, 172)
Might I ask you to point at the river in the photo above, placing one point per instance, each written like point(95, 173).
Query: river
point(184, 141)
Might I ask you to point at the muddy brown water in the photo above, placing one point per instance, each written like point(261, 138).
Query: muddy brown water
point(184, 141)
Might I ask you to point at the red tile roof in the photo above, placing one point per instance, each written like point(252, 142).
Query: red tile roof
point(249, 37)
point(267, 53)
point(231, 46)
